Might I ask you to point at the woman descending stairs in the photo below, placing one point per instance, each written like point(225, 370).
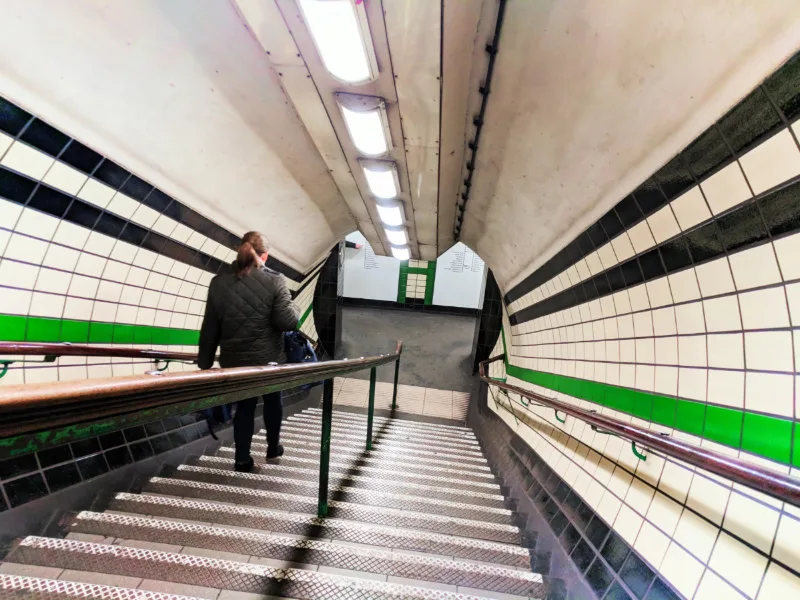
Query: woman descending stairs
point(419, 516)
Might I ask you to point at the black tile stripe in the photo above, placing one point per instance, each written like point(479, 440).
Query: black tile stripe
point(21, 125)
point(308, 280)
point(766, 110)
point(770, 215)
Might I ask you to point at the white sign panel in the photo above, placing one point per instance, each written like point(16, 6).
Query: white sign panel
point(367, 275)
point(459, 278)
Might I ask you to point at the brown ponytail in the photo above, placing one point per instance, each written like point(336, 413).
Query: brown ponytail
point(254, 244)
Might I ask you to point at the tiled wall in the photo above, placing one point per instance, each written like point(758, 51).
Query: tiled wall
point(679, 310)
point(417, 278)
point(489, 323)
point(90, 253)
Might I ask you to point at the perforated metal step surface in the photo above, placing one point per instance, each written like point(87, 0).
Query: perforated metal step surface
point(212, 572)
point(483, 530)
point(16, 587)
point(369, 560)
point(367, 497)
point(366, 482)
point(386, 432)
point(313, 527)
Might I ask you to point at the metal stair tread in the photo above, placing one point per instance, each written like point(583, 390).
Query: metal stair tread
point(215, 573)
point(427, 457)
point(467, 430)
point(344, 530)
point(217, 462)
point(368, 496)
point(370, 514)
point(367, 560)
point(480, 476)
point(388, 425)
point(379, 473)
point(53, 589)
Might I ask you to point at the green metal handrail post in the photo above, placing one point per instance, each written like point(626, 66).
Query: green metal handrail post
point(396, 375)
point(325, 447)
point(371, 409)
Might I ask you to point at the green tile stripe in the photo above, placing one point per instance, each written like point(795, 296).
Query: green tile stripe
point(430, 281)
point(402, 282)
point(14, 328)
point(305, 316)
point(763, 435)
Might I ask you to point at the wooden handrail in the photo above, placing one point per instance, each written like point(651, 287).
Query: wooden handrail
point(768, 481)
point(30, 408)
point(67, 349)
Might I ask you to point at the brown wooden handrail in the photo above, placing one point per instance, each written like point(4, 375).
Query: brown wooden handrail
point(768, 481)
point(67, 349)
point(30, 408)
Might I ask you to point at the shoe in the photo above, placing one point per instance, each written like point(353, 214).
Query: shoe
point(276, 453)
point(246, 467)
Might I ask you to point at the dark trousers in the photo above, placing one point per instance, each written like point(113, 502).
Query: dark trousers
point(243, 423)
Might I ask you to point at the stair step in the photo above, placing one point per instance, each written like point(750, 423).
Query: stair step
point(309, 551)
point(211, 572)
point(20, 587)
point(369, 497)
point(359, 436)
point(353, 453)
point(388, 426)
point(365, 482)
point(309, 469)
point(483, 530)
point(399, 421)
point(311, 527)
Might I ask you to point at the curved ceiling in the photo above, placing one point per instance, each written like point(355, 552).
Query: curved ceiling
point(587, 102)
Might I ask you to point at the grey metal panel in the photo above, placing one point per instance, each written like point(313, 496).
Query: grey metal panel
point(312, 527)
point(388, 428)
point(370, 560)
point(342, 414)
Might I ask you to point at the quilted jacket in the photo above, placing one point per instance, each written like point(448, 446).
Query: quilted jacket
point(246, 319)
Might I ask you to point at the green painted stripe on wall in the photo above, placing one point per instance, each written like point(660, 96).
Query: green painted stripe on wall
point(763, 435)
point(15, 328)
point(305, 316)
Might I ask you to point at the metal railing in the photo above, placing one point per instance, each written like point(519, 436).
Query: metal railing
point(768, 481)
point(37, 416)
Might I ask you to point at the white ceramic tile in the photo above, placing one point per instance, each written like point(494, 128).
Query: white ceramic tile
point(5, 143)
point(659, 292)
point(26, 249)
point(726, 189)
point(772, 162)
point(71, 235)
point(78, 308)
point(641, 237)
point(663, 224)
point(755, 267)
point(628, 524)
point(752, 521)
point(27, 160)
point(123, 205)
point(47, 305)
point(722, 314)
point(65, 178)
point(788, 249)
point(682, 570)
point(725, 351)
point(18, 274)
point(769, 350)
point(85, 287)
point(99, 244)
point(684, 286)
point(623, 249)
point(713, 587)
point(51, 280)
point(96, 193)
point(738, 564)
point(770, 393)
point(651, 544)
point(690, 209)
point(37, 224)
point(607, 256)
point(690, 318)
point(9, 213)
point(692, 351)
point(779, 583)
point(708, 498)
point(145, 216)
point(89, 264)
point(764, 309)
point(692, 383)
point(696, 535)
point(787, 549)
point(715, 277)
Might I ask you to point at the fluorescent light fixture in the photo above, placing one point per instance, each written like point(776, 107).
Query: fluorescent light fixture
point(365, 117)
point(341, 34)
point(391, 213)
point(396, 235)
point(381, 177)
point(401, 253)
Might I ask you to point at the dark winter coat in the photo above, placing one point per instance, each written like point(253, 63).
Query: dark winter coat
point(246, 319)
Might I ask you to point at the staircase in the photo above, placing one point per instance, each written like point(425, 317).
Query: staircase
point(421, 516)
